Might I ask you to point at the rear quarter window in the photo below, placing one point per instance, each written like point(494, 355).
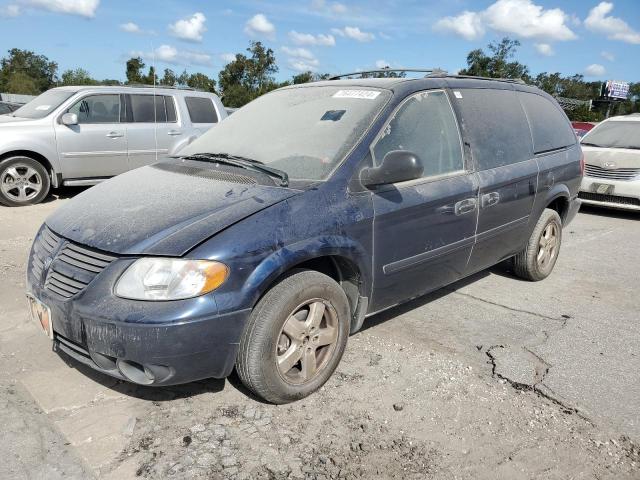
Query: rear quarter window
point(550, 128)
point(201, 110)
point(496, 127)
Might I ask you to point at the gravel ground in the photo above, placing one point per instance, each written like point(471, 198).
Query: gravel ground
point(488, 378)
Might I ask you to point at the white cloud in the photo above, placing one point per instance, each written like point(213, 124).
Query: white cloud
point(354, 33)
point(301, 59)
point(467, 25)
point(384, 36)
point(190, 28)
point(521, 18)
point(170, 54)
point(259, 25)
point(608, 56)
point(544, 49)
point(613, 27)
point(83, 8)
point(10, 11)
point(228, 57)
point(130, 27)
point(595, 70)
point(311, 40)
point(329, 8)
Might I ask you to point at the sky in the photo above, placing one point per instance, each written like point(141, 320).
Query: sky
point(600, 40)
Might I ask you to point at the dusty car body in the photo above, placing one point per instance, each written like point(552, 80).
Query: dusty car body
point(378, 191)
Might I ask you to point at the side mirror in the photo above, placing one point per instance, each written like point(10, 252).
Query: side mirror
point(397, 166)
point(69, 119)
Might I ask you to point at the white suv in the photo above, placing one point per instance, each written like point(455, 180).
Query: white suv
point(83, 135)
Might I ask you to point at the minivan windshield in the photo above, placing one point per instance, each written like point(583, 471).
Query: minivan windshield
point(305, 131)
point(43, 105)
point(615, 134)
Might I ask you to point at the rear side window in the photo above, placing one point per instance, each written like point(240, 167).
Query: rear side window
point(496, 127)
point(201, 110)
point(549, 127)
point(152, 108)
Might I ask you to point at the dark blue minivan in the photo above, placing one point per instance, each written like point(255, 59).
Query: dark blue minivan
point(278, 232)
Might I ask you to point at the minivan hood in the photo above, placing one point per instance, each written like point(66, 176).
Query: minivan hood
point(154, 211)
point(614, 157)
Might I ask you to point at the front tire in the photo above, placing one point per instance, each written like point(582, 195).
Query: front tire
point(537, 260)
point(23, 181)
point(295, 337)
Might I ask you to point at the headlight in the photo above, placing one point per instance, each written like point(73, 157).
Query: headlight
point(170, 278)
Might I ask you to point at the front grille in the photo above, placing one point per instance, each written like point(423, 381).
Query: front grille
point(611, 173)
point(68, 267)
point(596, 197)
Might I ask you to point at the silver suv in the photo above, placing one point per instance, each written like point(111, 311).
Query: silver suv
point(83, 135)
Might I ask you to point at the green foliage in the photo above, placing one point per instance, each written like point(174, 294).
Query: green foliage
point(169, 78)
point(200, 81)
point(248, 77)
point(78, 76)
point(498, 64)
point(134, 68)
point(24, 72)
point(389, 74)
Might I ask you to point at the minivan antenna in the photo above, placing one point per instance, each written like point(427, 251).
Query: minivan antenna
point(155, 110)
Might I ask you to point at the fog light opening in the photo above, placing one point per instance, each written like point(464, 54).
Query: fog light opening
point(135, 372)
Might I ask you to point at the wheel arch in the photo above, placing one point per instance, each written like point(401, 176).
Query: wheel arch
point(40, 158)
point(559, 200)
point(345, 263)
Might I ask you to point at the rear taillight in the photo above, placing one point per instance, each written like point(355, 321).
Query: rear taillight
point(582, 163)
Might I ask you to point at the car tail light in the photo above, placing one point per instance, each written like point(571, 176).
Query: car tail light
point(582, 163)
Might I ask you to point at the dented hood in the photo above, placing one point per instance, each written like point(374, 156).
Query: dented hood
point(157, 211)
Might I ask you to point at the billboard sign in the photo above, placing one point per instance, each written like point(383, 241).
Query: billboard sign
point(615, 89)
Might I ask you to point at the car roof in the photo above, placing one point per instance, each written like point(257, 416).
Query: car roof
point(131, 88)
point(634, 117)
point(430, 81)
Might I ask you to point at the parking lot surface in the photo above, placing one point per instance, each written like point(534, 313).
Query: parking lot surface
point(491, 377)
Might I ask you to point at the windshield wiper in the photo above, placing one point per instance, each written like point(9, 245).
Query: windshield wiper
point(591, 144)
point(242, 162)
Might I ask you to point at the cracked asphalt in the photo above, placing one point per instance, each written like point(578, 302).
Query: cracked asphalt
point(491, 377)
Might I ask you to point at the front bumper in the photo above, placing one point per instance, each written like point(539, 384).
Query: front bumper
point(152, 343)
point(618, 194)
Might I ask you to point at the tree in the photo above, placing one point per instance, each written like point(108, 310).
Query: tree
point(134, 70)
point(200, 81)
point(22, 71)
point(304, 77)
point(497, 65)
point(151, 78)
point(248, 77)
point(78, 76)
point(169, 78)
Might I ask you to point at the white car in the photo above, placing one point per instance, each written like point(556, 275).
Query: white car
point(84, 135)
point(612, 164)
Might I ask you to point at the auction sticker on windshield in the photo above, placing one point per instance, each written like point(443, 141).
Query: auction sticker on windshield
point(364, 94)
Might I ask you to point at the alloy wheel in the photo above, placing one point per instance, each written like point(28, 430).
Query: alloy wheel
point(547, 245)
point(20, 183)
point(307, 341)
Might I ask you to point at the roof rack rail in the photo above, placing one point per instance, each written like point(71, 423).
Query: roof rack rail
point(430, 72)
point(507, 80)
point(172, 87)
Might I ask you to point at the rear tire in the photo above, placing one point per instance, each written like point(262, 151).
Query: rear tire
point(537, 260)
point(23, 181)
point(295, 337)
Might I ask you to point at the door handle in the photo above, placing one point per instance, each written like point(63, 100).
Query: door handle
point(174, 132)
point(489, 199)
point(115, 134)
point(467, 205)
